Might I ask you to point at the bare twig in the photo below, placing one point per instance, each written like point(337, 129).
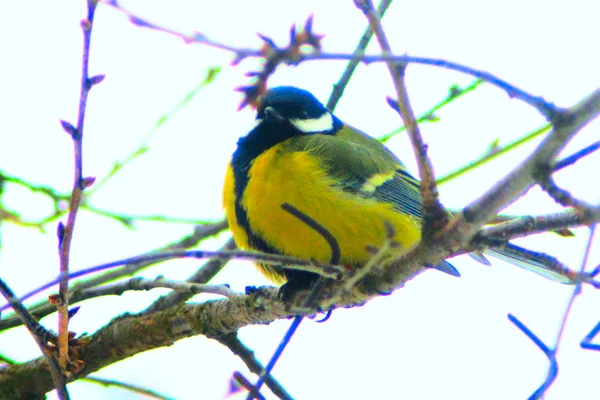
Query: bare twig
point(563, 197)
point(203, 275)
point(498, 151)
point(574, 294)
point(246, 384)
point(59, 201)
point(434, 215)
point(266, 371)
point(126, 386)
point(143, 147)
point(454, 93)
point(530, 225)
point(378, 256)
point(140, 283)
point(545, 108)
point(551, 354)
point(42, 309)
point(80, 183)
point(41, 336)
point(466, 224)
point(127, 219)
point(233, 343)
point(586, 342)
point(492, 153)
point(7, 360)
point(340, 86)
point(327, 270)
point(573, 158)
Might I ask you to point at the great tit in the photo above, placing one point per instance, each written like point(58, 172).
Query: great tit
point(351, 184)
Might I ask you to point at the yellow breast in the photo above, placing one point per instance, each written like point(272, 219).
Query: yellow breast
point(278, 177)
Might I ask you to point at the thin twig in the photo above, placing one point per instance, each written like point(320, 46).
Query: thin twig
point(498, 151)
point(573, 158)
point(79, 184)
point(127, 219)
point(139, 283)
point(266, 372)
point(507, 190)
point(44, 308)
point(378, 255)
point(126, 386)
point(434, 215)
point(203, 275)
point(327, 270)
point(563, 197)
point(493, 153)
point(455, 92)
point(551, 354)
point(7, 360)
point(340, 86)
point(182, 291)
point(59, 199)
point(41, 335)
point(246, 384)
point(143, 147)
point(233, 343)
point(587, 341)
point(576, 291)
point(531, 225)
point(545, 108)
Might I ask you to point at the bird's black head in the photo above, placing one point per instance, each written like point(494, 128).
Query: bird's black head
point(296, 109)
point(284, 112)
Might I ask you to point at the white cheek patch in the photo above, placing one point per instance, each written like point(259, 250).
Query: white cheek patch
point(322, 124)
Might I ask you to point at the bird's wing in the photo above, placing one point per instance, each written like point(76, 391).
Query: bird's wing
point(361, 165)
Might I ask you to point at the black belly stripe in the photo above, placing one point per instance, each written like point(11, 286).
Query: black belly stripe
point(265, 135)
point(241, 163)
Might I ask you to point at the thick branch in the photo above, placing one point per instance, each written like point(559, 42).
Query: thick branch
point(465, 225)
point(128, 335)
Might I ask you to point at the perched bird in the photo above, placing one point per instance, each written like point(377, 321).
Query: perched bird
point(299, 153)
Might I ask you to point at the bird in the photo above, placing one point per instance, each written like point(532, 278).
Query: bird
point(299, 153)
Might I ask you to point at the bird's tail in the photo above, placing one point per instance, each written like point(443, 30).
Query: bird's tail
point(530, 260)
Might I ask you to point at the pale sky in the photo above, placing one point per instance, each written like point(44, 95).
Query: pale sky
point(438, 337)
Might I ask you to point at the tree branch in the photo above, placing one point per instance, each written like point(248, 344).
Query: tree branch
point(41, 335)
point(80, 183)
point(545, 108)
point(326, 270)
point(44, 308)
point(233, 343)
point(340, 86)
point(530, 225)
point(434, 215)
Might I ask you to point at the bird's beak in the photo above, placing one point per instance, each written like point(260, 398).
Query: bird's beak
point(271, 113)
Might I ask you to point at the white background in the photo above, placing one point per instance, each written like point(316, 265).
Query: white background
point(438, 337)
